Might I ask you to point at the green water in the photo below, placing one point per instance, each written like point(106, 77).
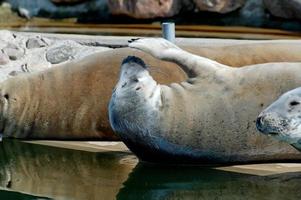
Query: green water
point(29, 171)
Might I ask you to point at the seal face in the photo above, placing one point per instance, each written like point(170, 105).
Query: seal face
point(282, 119)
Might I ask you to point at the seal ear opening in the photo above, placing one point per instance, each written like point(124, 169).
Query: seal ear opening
point(134, 59)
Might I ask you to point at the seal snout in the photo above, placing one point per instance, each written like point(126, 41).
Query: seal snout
point(271, 124)
point(261, 124)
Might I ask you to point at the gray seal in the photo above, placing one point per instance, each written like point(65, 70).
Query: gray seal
point(282, 119)
point(209, 118)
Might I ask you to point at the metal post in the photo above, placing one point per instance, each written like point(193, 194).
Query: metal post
point(168, 31)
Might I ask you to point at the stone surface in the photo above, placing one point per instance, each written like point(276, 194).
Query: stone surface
point(14, 52)
point(220, 6)
point(289, 9)
point(60, 54)
point(22, 53)
point(35, 43)
point(145, 9)
point(4, 59)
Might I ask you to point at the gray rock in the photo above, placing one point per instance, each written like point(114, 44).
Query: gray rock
point(35, 43)
point(289, 9)
point(67, 1)
point(96, 9)
point(220, 6)
point(146, 9)
point(14, 52)
point(4, 59)
point(14, 73)
point(60, 54)
point(252, 14)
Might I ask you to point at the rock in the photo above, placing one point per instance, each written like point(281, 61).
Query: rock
point(67, 1)
point(14, 73)
point(35, 43)
point(220, 6)
point(60, 54)
point(14, 52)
point(252, 14)
point(83, 10)
point(4, 59)
point(289, 9)
point(23, 12)
point(144, 9)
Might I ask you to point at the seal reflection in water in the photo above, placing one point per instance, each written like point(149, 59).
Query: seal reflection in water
point(282, 119)
point(150, 182)
point(210, 118)
point(60, 173)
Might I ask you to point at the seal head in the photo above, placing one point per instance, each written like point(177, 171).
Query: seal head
point(135, 97)
point(282, 119)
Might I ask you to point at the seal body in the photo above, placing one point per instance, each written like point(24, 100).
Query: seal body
point(282, 119)
point(209, 118)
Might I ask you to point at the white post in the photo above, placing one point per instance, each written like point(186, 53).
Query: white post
point(168, 31)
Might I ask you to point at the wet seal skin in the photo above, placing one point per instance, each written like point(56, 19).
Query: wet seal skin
point(282, 119)
point(209, 118)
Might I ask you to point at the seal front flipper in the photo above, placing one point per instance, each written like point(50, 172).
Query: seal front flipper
point(162, 49)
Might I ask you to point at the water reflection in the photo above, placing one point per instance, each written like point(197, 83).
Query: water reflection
point(60, 173)
point(157, 182)
point(57, 173)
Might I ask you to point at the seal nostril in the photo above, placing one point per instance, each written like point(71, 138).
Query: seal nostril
point(6, 96)
point(259, 123)
point(294, 103)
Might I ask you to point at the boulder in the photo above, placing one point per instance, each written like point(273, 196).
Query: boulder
point(220, 6)
point(67, 1)
point(145, 9)
point(58, 9)
point(289, 9)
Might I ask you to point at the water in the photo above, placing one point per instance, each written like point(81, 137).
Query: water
point(29, 171)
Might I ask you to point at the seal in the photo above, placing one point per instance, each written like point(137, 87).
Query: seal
point(70, 101)
point(209, 118)
point(282, 119)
